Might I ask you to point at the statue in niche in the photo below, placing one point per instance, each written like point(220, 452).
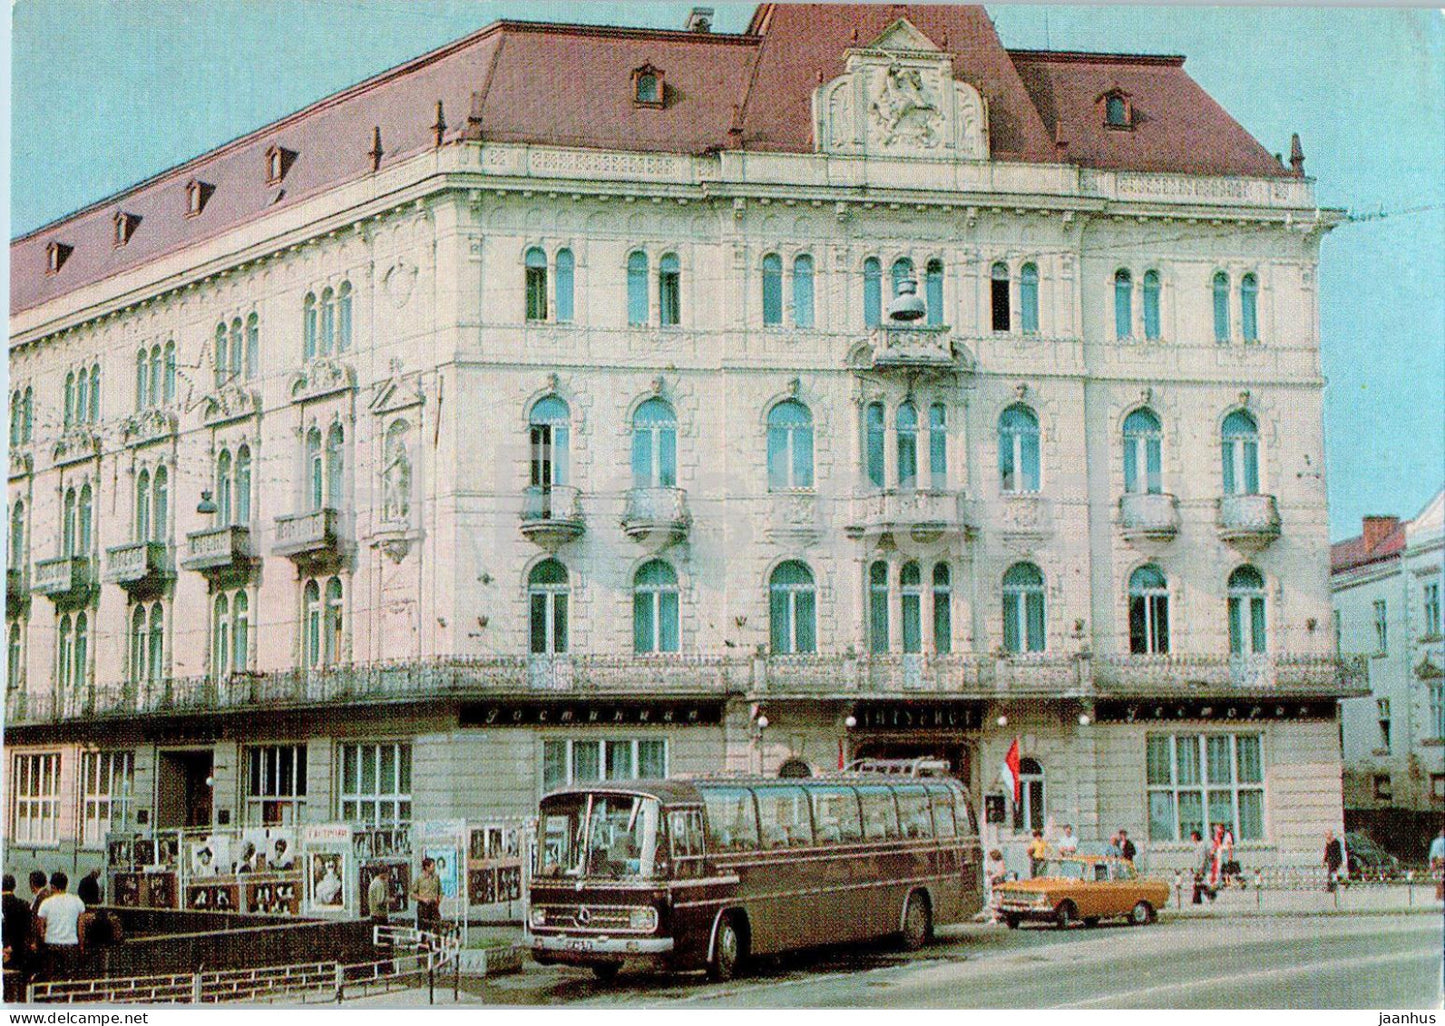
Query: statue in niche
point(396, 475)
point(905, 110)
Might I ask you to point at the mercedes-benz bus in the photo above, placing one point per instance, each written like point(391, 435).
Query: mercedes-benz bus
point(703, 873)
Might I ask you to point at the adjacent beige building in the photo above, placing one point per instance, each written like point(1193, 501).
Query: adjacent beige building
point(472, 431)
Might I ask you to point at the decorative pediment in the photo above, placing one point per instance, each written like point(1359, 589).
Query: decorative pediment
point(230, 402)
point(148, 426)
point(898, 97)
point(321, 377)
point(1427, 670)
point(399, 392)
point(21, 463)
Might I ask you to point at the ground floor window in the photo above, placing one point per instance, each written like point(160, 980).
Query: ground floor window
point(579, 760)
point(275, 785)
point(1029, 812)
point(35, 816)
point(1198, 780)
point(107, 784)
point(376, 783)
point(1437, 708)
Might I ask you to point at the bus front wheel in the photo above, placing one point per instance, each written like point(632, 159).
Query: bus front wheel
point(917, 922)
point(728, 951)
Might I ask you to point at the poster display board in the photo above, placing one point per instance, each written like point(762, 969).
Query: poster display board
point(384, 848)
point(444, 841)
point(327, 864)
point(250, 869)
point(142, 868)
point(494, 861)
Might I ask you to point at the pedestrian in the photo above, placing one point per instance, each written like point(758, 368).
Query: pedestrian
point(1437, 864)
point(1038, 852)
point(1334, 859)
point(994, 873)
point(39, 889)
point(1068, 843)
point(15, 932)
point(378, 897)
point(1222, 851)
point(1126, 846)
point(88, 890)
point(60, 928)
point(427, 893)
point(1114, 850)
point(1203, 858)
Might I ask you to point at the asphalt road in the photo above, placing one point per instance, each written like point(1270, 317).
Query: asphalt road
point(1357, 961)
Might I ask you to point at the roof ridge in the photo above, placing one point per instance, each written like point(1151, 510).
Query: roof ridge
point(1098, 57)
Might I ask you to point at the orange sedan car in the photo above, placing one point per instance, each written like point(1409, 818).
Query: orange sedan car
point(1081, 888)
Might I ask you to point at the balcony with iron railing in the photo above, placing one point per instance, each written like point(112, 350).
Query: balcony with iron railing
point(1248, 522)
point(63, 579)
point(141, 568)
point(656, 513)
point(910, 514)
point(310, 539)
point(218, 549)
point(552, 514)
point(1145, 517)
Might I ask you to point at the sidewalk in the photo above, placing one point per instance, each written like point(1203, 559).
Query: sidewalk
point(1353, 900)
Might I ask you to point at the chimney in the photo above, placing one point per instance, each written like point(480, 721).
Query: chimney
point(1296, 155)
point(700, 20)
point(1377, 529)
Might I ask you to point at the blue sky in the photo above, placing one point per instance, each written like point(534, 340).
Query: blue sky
point(106, 92)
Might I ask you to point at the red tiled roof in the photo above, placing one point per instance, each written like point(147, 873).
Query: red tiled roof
point(570, 85)
point(1353, 553)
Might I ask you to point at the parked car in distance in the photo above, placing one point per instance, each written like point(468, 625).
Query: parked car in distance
point(1366, 858)
point(1084, 888)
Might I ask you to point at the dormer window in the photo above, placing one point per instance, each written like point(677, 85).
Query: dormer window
point(647, 87)
point(197, 192)
point(1118, 112)
point(278, 161)
point(56, 254)
point(125, 225)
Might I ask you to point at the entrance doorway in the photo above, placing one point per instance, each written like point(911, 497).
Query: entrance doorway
point(183, 791)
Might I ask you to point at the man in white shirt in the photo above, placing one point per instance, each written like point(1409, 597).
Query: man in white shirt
point(1068, 843)
point(59, 925)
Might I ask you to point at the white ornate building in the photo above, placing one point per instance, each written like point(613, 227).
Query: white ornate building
point(473, 430)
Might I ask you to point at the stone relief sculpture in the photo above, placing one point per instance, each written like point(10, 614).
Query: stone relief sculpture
point(396, 475)
point(905, 110)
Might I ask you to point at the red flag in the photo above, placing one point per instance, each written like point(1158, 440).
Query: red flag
point(1009, 772)
point(840, 753)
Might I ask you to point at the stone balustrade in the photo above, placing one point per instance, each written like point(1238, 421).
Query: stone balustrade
point(659, 512)
point(218, 548)
point(1149, 517)
point(552, 514)
point(139, 566)
point(916, 515)
point(903, 348)
point(63, 578)
point(310, 537)
point(1248, 522)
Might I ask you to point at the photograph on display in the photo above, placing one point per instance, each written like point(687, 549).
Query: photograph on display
point(446, 866)
point(281, 851)
point(326, 874)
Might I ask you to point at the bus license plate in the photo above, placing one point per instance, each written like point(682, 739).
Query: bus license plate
point(581, 944)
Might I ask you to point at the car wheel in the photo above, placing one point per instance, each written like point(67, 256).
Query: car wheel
point(1091, 921)
point(606, 972)
point(1065, 915)
point(727, 952)
point(917, 922)
point(1141, 914)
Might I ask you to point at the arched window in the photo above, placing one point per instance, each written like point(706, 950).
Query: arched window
point(15, 661)
point(240, 632)
point(902, 271)
point(1221, 307)
point(223, 364)
point(253, 345)
point(790, 446)
point(1239, 451)
point(28, 419)
point(143, 506)
point(333, 621)
point(95, 393)
point(1142, 454)
point(655, 608)
point(772, 289)
point(1116, 113)
point(14, 419)
point(1151, 305)
point(1249, 307)
point(1029, 299)
point(67, 526)
point(311, 623)
point(669, 289)
point(82, 397)
point(343, 317)
point(17, 535)
point(792, 609)
point(550, 430)
point(999, 296)
point(138, 644)
point(874, 443)
point(308, 322)
point(64, 655)
point(1246, 612)
point(910, 587)
point(654, 445)
point(225, 505)
point(78, 674)
point(156, 644)
point(938, 445)
point(637, 288)
point(1029, 812)
point(328, 321)
point(1018, 449)
point(565, 278)
point(142, 381)
point(1023, 609)
point(170, 386)
point(243, 485)
point(221, 637)
point(907, 424)
point(872, 292)
point(878, 607)
point(803, 291)
point(1148, 611)
point(942, 609)
point(69, 414)
point(1123, 304)
point(86, 511)
point(335, 462)
point(315, 470)
point(536, 275)
point(547, 591)
point(647, 89)
point(161, 504)
point(238, 346)
point(933, 291)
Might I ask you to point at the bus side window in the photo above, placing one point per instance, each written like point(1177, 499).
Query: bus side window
point(784, 815)
point(880, 814)
point(732, 819)
point(942, 800)
point(835, 814)
point(685, 830)
point(913, 810)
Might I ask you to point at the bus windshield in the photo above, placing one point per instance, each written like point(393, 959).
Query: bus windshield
point(594, 835)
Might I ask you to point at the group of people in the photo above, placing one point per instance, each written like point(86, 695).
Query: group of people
point(44, 937)
point(1214, 863)
point(426, 892)
point(1067, 843)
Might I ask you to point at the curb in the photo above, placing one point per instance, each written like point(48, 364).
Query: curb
point(1255, 913)
point(479, 962)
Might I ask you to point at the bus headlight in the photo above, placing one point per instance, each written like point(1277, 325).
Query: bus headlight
point(538, 916)
point(643, 919)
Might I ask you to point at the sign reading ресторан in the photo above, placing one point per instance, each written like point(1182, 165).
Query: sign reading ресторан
point(563, 713)
point(918, 715)
point(1212, 709)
